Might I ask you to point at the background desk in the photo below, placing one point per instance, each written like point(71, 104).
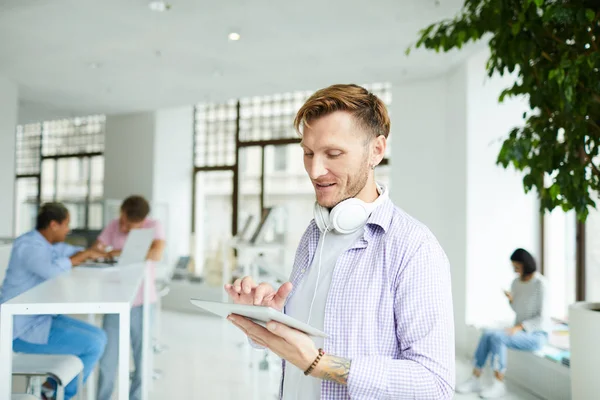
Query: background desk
point(82, 291)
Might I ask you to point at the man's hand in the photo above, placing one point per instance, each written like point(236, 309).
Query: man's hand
point(508, 296)
point(288, 343)
point(513, 330)
point(114, 253)
point(296, 348)
point(89, 254)
point(246, 291)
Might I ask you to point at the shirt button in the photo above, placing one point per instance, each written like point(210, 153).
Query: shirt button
point(303, 270)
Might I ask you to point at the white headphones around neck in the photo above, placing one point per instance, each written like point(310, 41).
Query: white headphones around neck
point(347, 216)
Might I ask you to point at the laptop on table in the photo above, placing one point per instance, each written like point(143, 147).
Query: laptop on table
point(134, 251)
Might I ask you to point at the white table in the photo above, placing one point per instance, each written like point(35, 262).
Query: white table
point(82, 291)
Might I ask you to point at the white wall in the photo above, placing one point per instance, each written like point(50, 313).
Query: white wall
point(129, 155)
point(8, 121)
point(446, 141)
point(428, 162)
point(500, 216)
point(30, 112)
point(172, 175)
point(454, 187)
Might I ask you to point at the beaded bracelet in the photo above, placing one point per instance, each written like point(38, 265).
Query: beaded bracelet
point(314, 364)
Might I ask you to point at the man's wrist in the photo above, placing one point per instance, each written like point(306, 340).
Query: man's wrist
point(332, 368)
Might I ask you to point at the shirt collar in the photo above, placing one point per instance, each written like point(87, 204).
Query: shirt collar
point(382, 215)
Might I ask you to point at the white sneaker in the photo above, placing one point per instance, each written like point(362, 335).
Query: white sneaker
point(497, 390)
point(471, 385)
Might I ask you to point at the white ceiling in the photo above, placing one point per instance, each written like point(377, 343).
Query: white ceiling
point(149, 60)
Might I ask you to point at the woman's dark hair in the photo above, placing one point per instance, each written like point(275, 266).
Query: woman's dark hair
point(135, 208)
point(51, 212)
point(525, 259)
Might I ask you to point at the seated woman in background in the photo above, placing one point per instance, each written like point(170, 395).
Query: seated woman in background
point(529, 299)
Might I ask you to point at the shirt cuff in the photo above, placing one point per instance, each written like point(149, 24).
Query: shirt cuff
point(367, 378)
point(64, 263)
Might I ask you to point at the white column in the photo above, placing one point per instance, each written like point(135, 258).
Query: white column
point(129, 155)
point(9, 106)
point(150, 154)
point(172, 176)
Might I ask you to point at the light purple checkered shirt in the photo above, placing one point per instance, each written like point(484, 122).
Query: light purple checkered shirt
point(389, 310)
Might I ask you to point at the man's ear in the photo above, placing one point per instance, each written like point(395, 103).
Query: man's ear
point(378, 149)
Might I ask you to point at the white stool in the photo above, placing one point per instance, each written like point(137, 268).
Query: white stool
point(23, 396)
point(62, 368)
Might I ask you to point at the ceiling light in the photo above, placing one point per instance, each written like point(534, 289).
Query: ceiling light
point(234, 36)
point(94, 65)
point(159, 6)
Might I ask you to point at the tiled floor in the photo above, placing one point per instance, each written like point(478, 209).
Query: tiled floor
point(207, 358)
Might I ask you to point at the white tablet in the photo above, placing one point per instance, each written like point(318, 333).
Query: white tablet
point(259, 314)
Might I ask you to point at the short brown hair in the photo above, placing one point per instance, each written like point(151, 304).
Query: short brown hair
point(135, 208)
point(368, 110)
point(50, 212)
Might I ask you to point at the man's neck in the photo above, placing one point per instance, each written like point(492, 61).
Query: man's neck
point(46, 235)
point(369, 193)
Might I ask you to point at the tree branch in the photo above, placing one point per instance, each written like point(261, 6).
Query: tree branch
point(588, 160)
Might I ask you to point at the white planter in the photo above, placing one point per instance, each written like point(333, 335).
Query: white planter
point(584, 332)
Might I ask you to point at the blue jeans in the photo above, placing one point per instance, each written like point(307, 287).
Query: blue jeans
point(495, 342)
point(69, 336)
point(109, 363)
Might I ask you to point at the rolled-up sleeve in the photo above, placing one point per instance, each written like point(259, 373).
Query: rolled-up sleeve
point(425, 368)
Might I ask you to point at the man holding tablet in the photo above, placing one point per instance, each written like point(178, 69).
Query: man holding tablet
point(374, 279)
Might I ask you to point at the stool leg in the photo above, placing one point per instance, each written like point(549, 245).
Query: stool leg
point(36, 386)
point(60, 392)
point(28, 388)
point(80, 386)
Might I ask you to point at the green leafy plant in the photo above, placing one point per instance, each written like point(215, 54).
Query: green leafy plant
point(552, 46)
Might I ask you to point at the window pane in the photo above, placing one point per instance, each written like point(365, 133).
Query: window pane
point(214, 134)
point(96, 217)
point(280, 158)
point(213, 222)
point(27, 153)
point(293, 196)
point(249, 189)
point(48, 180)
point(559, 260)
point(76, 213)
point(26, 204)
point(97, 178)
point(79, 135)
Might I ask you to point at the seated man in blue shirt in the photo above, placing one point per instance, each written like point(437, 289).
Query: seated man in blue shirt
point(36, 257)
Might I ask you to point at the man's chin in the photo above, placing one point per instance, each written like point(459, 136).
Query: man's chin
point(327, 203)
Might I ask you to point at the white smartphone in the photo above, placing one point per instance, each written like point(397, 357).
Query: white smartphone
point(259, 314)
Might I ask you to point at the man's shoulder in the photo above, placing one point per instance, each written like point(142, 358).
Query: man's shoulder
point(32, 238)
point(151, 223)
point(406, 228)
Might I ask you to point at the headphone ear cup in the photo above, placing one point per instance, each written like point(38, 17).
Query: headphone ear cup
point(349, 216)
point(321, 215)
